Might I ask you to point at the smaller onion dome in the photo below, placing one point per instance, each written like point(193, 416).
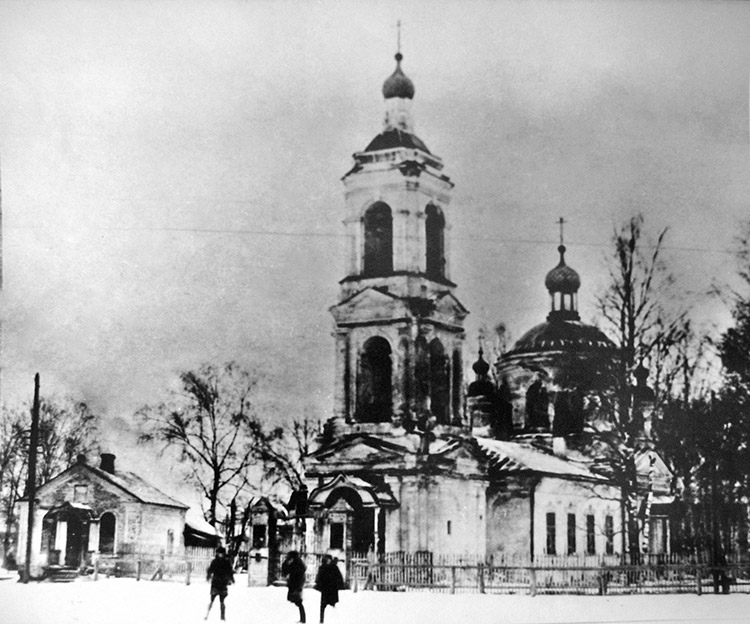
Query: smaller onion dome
point(562, 278)
point(398, 85)
point(482, 387)
point(480, 367)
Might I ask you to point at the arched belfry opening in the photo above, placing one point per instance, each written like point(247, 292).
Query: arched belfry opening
point(435, 242)
point(374, 385)
point(439, 382)
point(378, 238)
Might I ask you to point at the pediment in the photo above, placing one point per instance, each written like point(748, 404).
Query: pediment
point(448, 304)
point(368, 305)
point(359, 451)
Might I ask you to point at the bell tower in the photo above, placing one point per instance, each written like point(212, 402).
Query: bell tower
point(399, 327)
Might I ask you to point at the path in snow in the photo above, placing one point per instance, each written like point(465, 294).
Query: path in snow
point(126, 601)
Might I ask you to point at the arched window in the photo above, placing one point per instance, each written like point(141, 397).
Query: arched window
point(458, 382)
point(435, 238)
point(374, 397)
point(421, 371)
point(378, 241)
point(406, 375)
point(439, 382)
point(107, 533)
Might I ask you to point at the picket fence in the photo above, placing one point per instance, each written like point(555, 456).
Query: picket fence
point(546, 574)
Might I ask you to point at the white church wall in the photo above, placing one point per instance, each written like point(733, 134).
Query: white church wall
point(581, 500)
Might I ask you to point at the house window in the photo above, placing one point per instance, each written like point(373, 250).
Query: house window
point(590, 535)
point(609, 533)
point(337, 535)
point(170, 541)
point(80, 493)
point(551, 534)
point(571, 533)
point(107, 525)
point(259, 536)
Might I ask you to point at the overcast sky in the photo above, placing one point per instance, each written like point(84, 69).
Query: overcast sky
point(171, 170)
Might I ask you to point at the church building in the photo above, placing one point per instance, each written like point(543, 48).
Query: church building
point(413, 459)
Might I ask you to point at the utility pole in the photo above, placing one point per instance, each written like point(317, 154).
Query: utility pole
point(31, 483)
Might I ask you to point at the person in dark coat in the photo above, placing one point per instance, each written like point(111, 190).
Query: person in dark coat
point(328, 582)
point(294, 570)
point(221, 575)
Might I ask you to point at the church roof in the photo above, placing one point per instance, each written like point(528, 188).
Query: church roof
point(517, 457)
point(562, 335)
point(394, 138)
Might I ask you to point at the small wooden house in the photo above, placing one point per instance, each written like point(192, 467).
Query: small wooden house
point(87, 511)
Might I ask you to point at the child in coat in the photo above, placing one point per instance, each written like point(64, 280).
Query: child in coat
point(221, 575)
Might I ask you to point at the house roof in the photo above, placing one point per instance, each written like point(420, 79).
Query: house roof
point(129, 482)
point(138, 487)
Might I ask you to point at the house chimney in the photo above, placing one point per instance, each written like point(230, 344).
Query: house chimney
point(108, 463)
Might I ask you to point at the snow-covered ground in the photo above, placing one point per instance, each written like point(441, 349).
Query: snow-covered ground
point(126, 601)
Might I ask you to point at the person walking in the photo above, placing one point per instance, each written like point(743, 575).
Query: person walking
point(221, 575)
point(294, 570)
point(328, 582)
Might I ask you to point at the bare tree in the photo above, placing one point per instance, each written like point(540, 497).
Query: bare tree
point(67, 428)
point(647, 322)
point(210, 422)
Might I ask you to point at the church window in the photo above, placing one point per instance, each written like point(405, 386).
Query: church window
point(374, 397)
point(378, 260)
point(609, 534)
point(457, 385)
point(406, 363)
point(435, 240)
point(449, 527)
point(421, 370)
point(337, 535)
point(551, 534)
point(107, 525)
point(439, 388)
point(590, 535)
point(571, 533)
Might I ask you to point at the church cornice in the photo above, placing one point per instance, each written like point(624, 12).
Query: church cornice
point(437, 280)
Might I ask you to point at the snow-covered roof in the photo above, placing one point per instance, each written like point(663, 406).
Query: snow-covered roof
point(517, 457)
point(195, 520)
point(138, 487)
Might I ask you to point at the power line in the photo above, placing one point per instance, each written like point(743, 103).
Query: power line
point(251, 232)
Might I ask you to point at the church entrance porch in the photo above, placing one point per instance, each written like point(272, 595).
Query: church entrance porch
point(349, 516)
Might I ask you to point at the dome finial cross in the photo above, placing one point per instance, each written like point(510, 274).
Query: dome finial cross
point(561, 221)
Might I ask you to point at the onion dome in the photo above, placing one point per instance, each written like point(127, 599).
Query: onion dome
point(480, 367)
point(482, 386)
point(397, 85)
point(562, 278)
